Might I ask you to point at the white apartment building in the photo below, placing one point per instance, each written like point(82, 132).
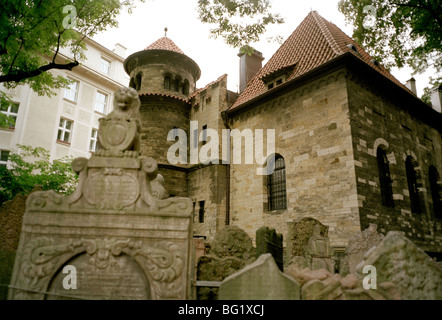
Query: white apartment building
point(66, 124)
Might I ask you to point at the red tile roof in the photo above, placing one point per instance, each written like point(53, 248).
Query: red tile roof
point(164, 43)
point(314, 42)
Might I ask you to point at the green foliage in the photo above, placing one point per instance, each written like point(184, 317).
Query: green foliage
point(239, 22)
point(434, 83)
point(406, 32)
point(32, 167)
point(33, 31)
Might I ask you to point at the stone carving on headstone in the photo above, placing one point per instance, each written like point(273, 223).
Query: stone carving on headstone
point(358, 245)
point(125, 239)
point(317, 252)
point(230, 251)
point(268, 241)
point(308, 244)
point(398, 260)
point(261, 280)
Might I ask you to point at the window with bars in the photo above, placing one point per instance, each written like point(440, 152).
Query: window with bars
point(100, 102)
point(64, 130)
point(412, 185)
point(104, 66)
point(276, 186)
point(4, 155)
point(385, 178)
point(93, 141)
point(70, 93)
point(11, 111)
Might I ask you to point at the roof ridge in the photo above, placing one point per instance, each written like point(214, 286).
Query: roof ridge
point(207, 86)
point(326, 33)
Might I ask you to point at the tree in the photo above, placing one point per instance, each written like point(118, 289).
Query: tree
point(32, 167)
point(398, 32)
point(33, 31)
point(239, 22)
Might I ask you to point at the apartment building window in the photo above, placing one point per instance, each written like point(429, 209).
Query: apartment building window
point(385, 178)
point(93, 141)
point(70, 93)
point(100, 102)
point(11, 111)
point(4, 155)
point(412, 185)
point(105, 66)
point(65, 130)
point(276, 186)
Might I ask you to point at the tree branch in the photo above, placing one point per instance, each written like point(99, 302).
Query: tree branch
point(29, 74)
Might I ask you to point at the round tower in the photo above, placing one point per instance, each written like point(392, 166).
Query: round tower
point(165, 78)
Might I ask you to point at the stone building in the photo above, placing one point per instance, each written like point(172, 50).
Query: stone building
point(353, 145)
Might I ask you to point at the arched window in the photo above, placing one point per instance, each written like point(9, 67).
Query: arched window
point(186, 87)
point(177, 84)
point(436, 191)
point(276, 185)
point(167, 82)
point(132, 83)
point(138, 81)
point(412, 185)
point(385, 178)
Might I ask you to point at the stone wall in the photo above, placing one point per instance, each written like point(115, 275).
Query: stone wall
point(314, 137)
point(380, 119)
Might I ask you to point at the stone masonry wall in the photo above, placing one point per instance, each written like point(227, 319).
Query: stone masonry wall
point(314, 137)
point(380, 121)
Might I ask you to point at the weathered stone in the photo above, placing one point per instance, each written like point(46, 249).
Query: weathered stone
point(268, 241)
point(400, 261)
point(231, 251)
point(232, 241)
point(122, 241)
point(299, 233)
point(358, 245)
point(261, 280)
point(317, 252)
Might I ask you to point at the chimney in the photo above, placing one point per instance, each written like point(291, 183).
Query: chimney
point(249, 65)
point(436, 98)
point(411, 84)
point(120, 50)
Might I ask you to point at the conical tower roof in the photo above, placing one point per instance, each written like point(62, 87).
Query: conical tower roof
point(164, 43)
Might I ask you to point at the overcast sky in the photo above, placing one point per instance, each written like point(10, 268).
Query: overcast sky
point(147, 22)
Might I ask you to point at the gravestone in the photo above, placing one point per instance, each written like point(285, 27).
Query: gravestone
point(268, 241)
point(261, 280)
point(116, 233)
point(299, 233)
point(358, 245)
point(230, 251)
point(400, 261)
point(308, 244)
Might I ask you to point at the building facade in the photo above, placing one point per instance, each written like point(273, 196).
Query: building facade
point(66, 124)
point(353, 145)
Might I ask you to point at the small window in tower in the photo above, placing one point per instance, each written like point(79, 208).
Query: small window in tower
point(177, 84)
point(186, 87)
point(201, 212)
point(204, 134)
point(278, 82)
point(132, 83)
point(138, 81)
point(270, 86)
point(167, 82)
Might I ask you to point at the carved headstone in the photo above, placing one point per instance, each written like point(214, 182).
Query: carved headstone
point(400, 261)
point(230, 251)
point(299, 233)
point(261, 280)
point(358, 245)
point(317, 252)
point(123, 241)
point(268, 241)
